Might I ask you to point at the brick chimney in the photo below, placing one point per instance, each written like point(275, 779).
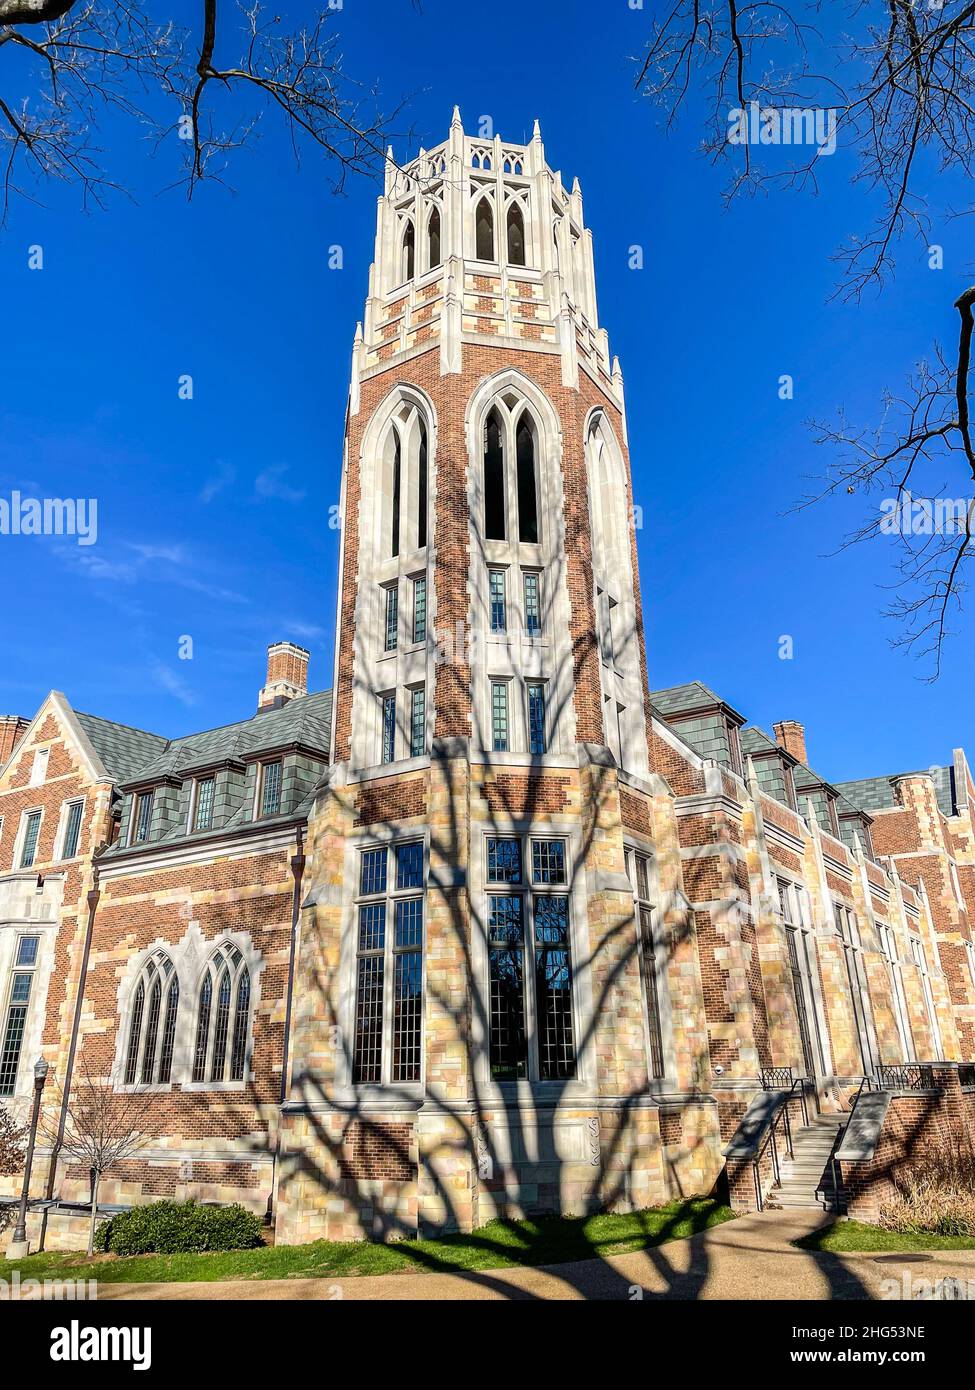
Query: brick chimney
point(12, 730)
point(287, 675)
point(791, 736)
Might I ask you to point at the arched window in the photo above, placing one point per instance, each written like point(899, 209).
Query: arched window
point(394, 500)
point(527, 486)
point(220, 1053)
point(421, 490)
point(433, 238)
point(484, 230)
point(409, 251)
point(494, 527)
point(516, 236)
point(152, 1031)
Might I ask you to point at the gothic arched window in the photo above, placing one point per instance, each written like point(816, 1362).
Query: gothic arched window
point(220, 1052)
point(527, 482)
point(409, 251)
point(395, 496)
point(433, 238)
point(421, 489)
point(494, 509)
point(516, 236)
point(484, 230)
point(152, 1030)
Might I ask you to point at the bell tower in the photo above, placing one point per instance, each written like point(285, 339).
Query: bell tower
point(476, 1002)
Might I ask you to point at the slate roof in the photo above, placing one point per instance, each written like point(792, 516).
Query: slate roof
point(306, 720)
point(121, 748)
point(677, 698)
point(874, 794)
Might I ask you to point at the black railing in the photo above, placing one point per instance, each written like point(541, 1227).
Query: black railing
point(781, 1120)
point(912, 1076)
point(776, 1078)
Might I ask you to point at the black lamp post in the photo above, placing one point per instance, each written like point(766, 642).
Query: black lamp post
point(41, 1070)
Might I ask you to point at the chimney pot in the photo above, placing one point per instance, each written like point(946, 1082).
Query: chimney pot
point(12, 730)
point(287, 675)
point(791, 735)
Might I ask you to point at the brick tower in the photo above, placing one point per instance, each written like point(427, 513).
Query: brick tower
point(481, 1018)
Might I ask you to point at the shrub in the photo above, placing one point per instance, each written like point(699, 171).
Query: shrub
point(937, 1198)
point(175, 1228)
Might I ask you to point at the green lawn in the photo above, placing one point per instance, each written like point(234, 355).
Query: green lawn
point(547, 1240)
point(850, 1236)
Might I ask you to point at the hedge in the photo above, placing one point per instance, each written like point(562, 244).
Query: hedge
point(175, 1228)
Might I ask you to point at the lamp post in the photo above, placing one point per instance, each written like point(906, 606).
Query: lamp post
point(19, 1244)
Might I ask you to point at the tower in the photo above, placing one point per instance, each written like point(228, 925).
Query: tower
point(478, 1024)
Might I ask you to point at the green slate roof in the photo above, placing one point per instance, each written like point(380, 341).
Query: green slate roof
point(122, 749)
point(306, 720)
point(677, 698)
point(874, 794)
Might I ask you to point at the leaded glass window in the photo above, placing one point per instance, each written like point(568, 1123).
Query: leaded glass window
point(389, 728)
point(143, 816)
point(271, 789)
point(72, 829)
point(420, 609)
point(204, 804)
point(21, 985)
point(499, 607)
point(499, 716)
point(32, 829)
point(536, 717)
point(391, 593)
point(223, 1018)
point(418, 722)
point(387, 1029)
point(152, 1025)
point(533, 607)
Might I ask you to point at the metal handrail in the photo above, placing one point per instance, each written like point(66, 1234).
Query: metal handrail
point(782, 1117)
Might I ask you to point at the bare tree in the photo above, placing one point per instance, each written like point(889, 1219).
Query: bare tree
point(71, 61)
point(103, 1128)
point(899, 78)
point(11, 1144)
point(926, 429)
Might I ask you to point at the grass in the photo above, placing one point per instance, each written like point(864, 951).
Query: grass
point(852, 1236)
point(502, 1244)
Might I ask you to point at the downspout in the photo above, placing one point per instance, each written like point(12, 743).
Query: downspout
point(297, 870)
point(92, 900)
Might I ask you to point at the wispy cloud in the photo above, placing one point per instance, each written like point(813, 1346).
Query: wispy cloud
point(271, 483)
point(169, 564)
point(172, 682)
point(223, 477)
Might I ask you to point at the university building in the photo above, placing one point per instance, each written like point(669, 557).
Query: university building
point(490, 927)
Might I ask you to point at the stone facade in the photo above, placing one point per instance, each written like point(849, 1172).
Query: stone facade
point(498, 930)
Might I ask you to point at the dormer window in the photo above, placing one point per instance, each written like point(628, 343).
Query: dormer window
point(203, 819)
point(271, 789)
point(143, 817)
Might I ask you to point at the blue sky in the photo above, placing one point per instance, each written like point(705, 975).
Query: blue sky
point(213, 513)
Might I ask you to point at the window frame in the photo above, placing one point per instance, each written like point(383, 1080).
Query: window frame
point(653, 967)
point(198, 783)
point(26, 817)
point(28, 971)
point(67, 806)
point(139, 799)
point(530, 892)
point(262, 812)
point(388, 897)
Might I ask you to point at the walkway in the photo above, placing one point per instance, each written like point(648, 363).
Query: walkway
point(750, 1258)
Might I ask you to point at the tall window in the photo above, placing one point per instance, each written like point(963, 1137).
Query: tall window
point(421, 489)
point(516, 235)
point(32, 828)
point(532, 1029)
point(895, 977)
point(409, 251)
point(389, 947)
point(397, 483)
point(388, 728)
point(223, 1016)
point(152, 1029)
point(797, 947)
point(484, 230)
point(920, 958)
point(533, 606)
point(499, 716)
point(203, 820)
point(143, 816)
point(72, 829)
point(848, 931)
point(38, 767)
point(638, 872)
point(499, 608)
point(536, 717)
point(420, 608)
point(418, 722)
point(527, 495)
point(391, 599)
point(494, 507)
point(271, 789)
point(21, 984)
point(433, 237)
